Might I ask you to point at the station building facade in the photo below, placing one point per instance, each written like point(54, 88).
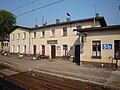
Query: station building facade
point(87, 40)
point(55, 40)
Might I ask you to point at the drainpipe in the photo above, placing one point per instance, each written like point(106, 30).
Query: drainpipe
point(29, 42)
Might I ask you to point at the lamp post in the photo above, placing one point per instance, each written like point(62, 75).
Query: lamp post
point(69, 15)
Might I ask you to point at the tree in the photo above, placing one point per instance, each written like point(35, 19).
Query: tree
point(7, 21)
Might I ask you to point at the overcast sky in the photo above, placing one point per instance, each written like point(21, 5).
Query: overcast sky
point(78, 9)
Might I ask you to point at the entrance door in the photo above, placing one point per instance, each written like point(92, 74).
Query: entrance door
point(53, 51)
point(43, 49)
point(77, 54)
point(34, 49)
point(117, 48)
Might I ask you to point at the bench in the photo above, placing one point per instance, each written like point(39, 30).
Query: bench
point(20, 55)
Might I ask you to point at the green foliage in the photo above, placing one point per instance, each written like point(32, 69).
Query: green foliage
point(7, 21)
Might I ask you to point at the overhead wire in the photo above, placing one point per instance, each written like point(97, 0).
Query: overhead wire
point(40, 8)
point(117, 14)
point(23, 5)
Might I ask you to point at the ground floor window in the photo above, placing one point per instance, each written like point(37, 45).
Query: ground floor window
point(18, 48)
point(96, 49)
point(13, 48)
point(65, 50)
point(24, 48)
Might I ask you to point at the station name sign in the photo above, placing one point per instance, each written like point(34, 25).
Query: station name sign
point(107, 46)
point(52, 42)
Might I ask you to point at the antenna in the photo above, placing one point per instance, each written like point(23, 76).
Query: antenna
point(117, 14)
point(36, 23)
point(94, 13)
point(42, 19)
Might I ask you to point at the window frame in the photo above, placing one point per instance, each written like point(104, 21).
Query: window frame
point(18, 36)
point(34, 34)
point(96, 49)
point(24, 35)
point(65, 31)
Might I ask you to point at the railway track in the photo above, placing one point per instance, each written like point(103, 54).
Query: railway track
point(42, 81)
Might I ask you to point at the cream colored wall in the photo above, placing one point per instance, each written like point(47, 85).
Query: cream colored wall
point(21, 41)
point(106, 37)
point(70, 39)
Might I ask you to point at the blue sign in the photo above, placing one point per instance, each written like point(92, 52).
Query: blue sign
point(107, 46)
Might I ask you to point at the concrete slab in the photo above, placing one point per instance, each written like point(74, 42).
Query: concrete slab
point(8, 72)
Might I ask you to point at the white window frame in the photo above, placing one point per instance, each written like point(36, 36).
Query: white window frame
point(24, 48)
point(34, 34)
point(13, 48)
point(42, 34)
point(18, 36)
point(24, 35)
point(12, 37)
point(18, 48)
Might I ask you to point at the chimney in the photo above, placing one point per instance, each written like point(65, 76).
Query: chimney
point(96, 14)
point(57, 21)
point(67, 19)
point(36, 26)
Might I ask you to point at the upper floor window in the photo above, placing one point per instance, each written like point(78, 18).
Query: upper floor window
point(52, 33)
point(12, 37)
point(24, 35)
point(34, 35)
point(18, 36)
point(43, 34)
point(65, 31)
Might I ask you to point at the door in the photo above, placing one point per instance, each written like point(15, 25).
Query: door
point(43, 49)
point(53, 51)
point(34, 49)
point(77, 54)
point(117, 48)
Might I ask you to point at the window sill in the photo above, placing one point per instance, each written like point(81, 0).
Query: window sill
point(52, 36)
point(41, 37)
point(96, 57)
point(64, 35)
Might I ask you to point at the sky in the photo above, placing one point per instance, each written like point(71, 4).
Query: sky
point(78, 9)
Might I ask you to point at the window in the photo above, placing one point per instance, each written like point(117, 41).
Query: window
point(18, 36)
point(12, 37)
point(34, 35)
point(43, 49)
point(24, 48)
point(24, 35)
point(96, 49)
point(13, 48)
point(43, 34)
point(18, 48)
point(65, 31)
point(65, 50)
point(52, 34)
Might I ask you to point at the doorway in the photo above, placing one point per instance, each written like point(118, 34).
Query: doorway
point(43, 49)
point(53, 51)
point(34, 49)
point(77, 54)
point(117, 48)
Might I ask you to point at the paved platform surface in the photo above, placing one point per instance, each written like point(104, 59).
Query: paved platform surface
point(108, 78)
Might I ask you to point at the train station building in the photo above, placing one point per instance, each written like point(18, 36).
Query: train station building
point(86, 40)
